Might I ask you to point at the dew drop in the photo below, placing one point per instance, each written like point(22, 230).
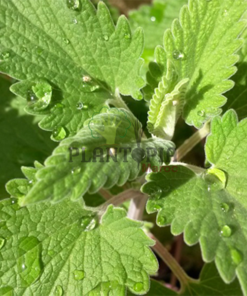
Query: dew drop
point(29, 263)
point(40, 96)
point(127, 36)
point(74, 5)
point(177, 55)
point(31, 97)
point(79, 106)
point(59, 133)
point(79, 275)
point(76, 170)
point(216, 179)
point(153, 206)
point(59, 291)
point(5, 55)
point(106, 37)
point(88, 223)
point(226, 231)
point(201, 113)
point(59, 106)
point(58, 109)
point(225, 13)
point(2, 242)
point(138, 287)
point(75, 21)
point(161, 220)
point(66, 41)
point(152, 189)
point(225, 207)
point(236, 256)
point(153, 19)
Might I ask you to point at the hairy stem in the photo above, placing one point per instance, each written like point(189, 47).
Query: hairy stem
point(189, 144)
point(170, 261)
point(177, 256)
point(118, 200)
point(105, 194)
point(137, 206)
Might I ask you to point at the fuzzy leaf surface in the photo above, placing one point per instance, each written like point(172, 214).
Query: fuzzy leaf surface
point(209, 283)
point(22, 142)
point(79, 52)
point(51, 248)
point(155, 19)
point(94, 159)
point(211, 211)
point(202, 47)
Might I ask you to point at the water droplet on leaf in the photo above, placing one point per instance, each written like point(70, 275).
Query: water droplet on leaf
point(79, 275)
point(29, 260)
point(225, 13)
point(153, 19)
point(58, 109)
point(236, 256)
point(59, 133)
point(106, 37)
point(153, 206)
point(40, 96)
point(66, 41)
point(76, 170)
point(138, 287)
point(177, 55)
point(152, 189)
point(161, 220)
point(74, 4)
point(75, 21)
point(216, 179)
point(59, 291)
point(226, 231)
point(225, 207)
point(2, 242)
point(4, 55)
point(201, 113)
point(88, 223)
point(127, 36)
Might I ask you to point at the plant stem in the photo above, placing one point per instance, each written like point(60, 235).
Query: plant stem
point(170, 261)
point(189, 144)
point(177, 256)
point(194, 168)
point(105, 194)
point(118, 102)
point(119, 199)
point(137, 206)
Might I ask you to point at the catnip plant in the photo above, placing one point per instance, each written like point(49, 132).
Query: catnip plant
point(95, 110)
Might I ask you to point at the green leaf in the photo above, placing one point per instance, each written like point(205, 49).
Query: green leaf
point(79, 52)
point(61, 249)
point(155, 19)
point(106, 152)
point(21, 140)
point(237, 95)
point(201, 47)
point(209, 281)
point(210, 208)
